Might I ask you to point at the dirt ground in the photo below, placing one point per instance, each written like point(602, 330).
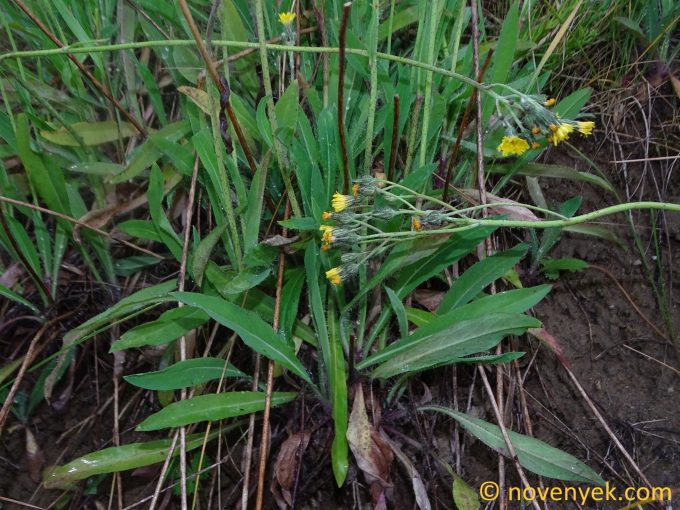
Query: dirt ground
point(614, 353)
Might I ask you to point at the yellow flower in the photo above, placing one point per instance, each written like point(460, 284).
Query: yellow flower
point(416, 224)
point(326, 215)
point(585, 128)
point(355, 190)
point(286, 18)
point(326, 228)
point(535, 145)
point(340, 202)
point(550, 102)
point(513, 145)
point(560, 133)
point(334, 276)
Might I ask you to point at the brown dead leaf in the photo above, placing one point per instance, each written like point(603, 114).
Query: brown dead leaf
point(552, 342)
point(422, 500)
point(512, 209)
point(34, 457)
point(11, 276)
point(676, 85)
point(286, 467)
point(98, 218)
point(372, 453)
point(430, 299)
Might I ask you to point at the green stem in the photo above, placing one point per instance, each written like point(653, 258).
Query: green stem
point(271, 109)
point(244, 45)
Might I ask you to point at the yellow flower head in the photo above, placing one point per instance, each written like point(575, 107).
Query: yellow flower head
point(561, 132)
point(513, 145)
point(341, 202)
point(535, 130)
point(326, 215)
point(416, 224)
point(326, 228)
point(585, 128)
point(535, 145)
point(286, 18)
point(550, 102)
point(334, 276)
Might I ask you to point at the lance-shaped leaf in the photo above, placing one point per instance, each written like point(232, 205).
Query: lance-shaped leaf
point(185, 373)
point(461, 339)
point(168, 327)
point(534, 455)
point(119, 458)
point(256, 333)
point(212, 407)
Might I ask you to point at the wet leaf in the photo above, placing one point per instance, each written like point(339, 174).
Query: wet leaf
point(286, 467)
point(203, 251)
point(118, 458)
point(464, 496)
point(197, 96)
point(373, 455)
point(255, 333)
point(211, 408)
point(184, 374)
point(462, 339)
point(534, 455)
point(168, 327)
point(91, 133)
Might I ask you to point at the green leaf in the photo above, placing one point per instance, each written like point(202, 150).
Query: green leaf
point(464, 496)
point(552, 267)
point(119, 458)
point(50, 185)
point(168, 327)
point(534, 455)
point(509, 302)
point(554, 171)
point(337, 375)
point(570, 106)
point(287, 111)
point(255, 333)
point(184, 374)
point(399, 311)
point(461, 339)
point(167, 234)
point(148, 153)
point(91, 133)
point(483, 273)
point(141, 229)
point(211, 408)
point(202, 253)
point(131, 265)
point(150, 295)
point(96, 168)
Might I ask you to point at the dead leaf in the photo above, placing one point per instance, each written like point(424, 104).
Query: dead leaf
point(514, 210)
point(34, 457)
point(11, 276)
point(552, 342)
point(286, 467)
point(430, 299)
point(419, 490)
point(676, 85)
point(98, 218)
point(372, 453)
point(197, 96)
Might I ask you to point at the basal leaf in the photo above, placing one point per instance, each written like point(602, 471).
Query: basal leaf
point(256, 333)
point(184, 374)
point(534, 455)
point(211, 408)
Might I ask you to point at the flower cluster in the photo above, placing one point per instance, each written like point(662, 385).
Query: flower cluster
point(528, 119)
point(351, 227)
point(286, 18)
